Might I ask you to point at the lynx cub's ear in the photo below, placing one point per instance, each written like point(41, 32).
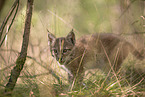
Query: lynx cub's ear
point(71, 37)
point(51, 38)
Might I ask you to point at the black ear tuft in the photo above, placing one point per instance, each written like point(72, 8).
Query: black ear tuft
point(71, 37)
point(51, 38)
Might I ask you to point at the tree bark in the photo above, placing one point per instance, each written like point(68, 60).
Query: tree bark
point(15, 72)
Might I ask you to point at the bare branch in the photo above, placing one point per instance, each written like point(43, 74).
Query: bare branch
point(34, 76)
point(49, 69)
point(3, 58)
point(6, 67)
point(15, 72)
point(10, 24)
point(7, 17)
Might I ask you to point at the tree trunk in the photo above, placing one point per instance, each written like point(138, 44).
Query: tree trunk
point(15, 72)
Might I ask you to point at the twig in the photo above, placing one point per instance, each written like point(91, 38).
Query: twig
point(34, 76)
point(49, 69)
point(135, 33)
point(10, 24)
point(111, 65)
point(6, 67)
point(78, 69)
point(126, 9)
point(7, 17)
point(10, 50)
point(62, 20)
point(3, 59)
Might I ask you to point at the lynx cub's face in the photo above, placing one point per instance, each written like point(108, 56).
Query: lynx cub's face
point(61, 47)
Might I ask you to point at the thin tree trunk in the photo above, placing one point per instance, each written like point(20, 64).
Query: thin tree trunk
point(15, 72)
point(14, 6)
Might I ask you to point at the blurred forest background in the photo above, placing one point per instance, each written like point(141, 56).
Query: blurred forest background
point(41, 73)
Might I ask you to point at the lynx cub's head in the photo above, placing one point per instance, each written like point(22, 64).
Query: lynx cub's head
point(61, 47)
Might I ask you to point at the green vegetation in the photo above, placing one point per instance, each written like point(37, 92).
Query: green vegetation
point(130, 83)
point(59, 17)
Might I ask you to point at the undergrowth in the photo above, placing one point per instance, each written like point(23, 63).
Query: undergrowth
point(130, 82)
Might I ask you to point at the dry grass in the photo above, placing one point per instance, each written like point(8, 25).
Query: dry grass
point(37, 79)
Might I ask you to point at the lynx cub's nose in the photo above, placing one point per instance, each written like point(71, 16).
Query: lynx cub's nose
point(60, 60)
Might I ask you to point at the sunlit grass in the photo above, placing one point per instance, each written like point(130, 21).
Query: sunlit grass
point(96, 84)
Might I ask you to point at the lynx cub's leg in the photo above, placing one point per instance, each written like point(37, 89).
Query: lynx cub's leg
point(124, 49)
point(70, 78)
point(75, 81)
point(77, 78)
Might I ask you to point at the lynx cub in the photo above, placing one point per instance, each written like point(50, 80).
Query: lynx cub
point(89, 52)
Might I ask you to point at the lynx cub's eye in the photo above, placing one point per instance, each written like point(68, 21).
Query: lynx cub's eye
point(66, 50)
point(55, 51)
